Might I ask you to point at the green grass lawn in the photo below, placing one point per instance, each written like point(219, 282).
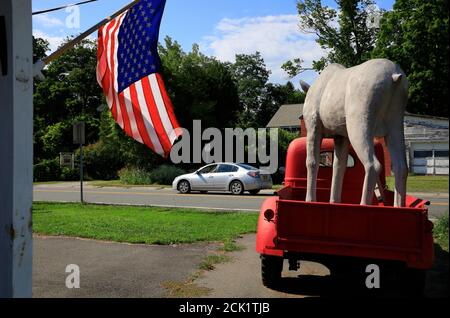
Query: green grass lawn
point(423, 183)
point(147, 225)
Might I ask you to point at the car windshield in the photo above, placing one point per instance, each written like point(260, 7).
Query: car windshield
point(247, 167)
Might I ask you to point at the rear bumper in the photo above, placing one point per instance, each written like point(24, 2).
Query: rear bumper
point(257, 184)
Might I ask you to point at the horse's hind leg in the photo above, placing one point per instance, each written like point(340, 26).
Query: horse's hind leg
point(313, 144)
point(396, 144)
point(339, 166)
point(363, 144)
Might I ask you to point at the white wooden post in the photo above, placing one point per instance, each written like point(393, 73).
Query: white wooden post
point(16, 149)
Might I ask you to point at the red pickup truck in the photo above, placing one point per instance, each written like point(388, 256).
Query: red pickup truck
point(341, 235)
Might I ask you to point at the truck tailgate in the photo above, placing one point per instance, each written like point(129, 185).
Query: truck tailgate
point(353, 230)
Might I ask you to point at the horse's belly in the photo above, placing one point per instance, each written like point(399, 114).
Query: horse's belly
point(332, 115)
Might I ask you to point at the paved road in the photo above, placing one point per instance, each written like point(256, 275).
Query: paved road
point(69, 192)
point(111, 269)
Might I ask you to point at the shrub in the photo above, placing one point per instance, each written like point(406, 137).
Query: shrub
point(165, 174)
point(69, 174)
point(135, 176)
point(440, 231)
point(47, 170)
point(101, 161)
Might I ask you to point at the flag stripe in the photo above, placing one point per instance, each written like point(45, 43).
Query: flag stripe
point(148, 119)
point(126, 119)
point(154, 115)
point(169, 108)
point(111, 95)
point(129, 108)
point(114, 37)
point(161, 106)
point(139, 118)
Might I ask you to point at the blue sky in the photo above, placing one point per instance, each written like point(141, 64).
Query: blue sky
point(223, 28)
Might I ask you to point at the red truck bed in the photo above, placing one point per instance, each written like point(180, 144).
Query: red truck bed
point(289, 224)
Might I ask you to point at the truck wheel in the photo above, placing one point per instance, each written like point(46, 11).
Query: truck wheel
point(271, 268)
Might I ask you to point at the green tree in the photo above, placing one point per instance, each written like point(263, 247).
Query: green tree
point(251, 76)
point(40, 48)
point(69, 93)
point(415, 35)
point(200, 87)
point(349, 42)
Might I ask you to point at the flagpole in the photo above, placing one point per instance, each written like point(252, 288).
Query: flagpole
point(85, 34)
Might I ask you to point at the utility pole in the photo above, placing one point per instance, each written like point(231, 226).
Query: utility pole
point(79, 139)
point(16, 148)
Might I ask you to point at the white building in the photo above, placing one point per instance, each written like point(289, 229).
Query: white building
point(427, 143)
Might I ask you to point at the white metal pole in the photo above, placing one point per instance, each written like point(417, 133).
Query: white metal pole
point(16, 149)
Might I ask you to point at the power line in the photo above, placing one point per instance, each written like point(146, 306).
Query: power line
point(63, 7)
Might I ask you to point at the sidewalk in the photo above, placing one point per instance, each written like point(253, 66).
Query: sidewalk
point(109, 269)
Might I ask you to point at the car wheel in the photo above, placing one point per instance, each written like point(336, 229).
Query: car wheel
point(254, 192)
point(236, 187)
point(184, 187)
point(271, 268)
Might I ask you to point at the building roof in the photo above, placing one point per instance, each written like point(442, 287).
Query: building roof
point(287, 116)
point(425, 116)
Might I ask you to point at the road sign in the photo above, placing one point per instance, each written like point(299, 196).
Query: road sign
point(79, 133)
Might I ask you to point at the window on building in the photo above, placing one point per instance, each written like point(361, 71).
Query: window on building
point(441, 153)
point(423, 153)
point(429, 153)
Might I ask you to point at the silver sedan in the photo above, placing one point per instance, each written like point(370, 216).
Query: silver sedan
point(230, 177)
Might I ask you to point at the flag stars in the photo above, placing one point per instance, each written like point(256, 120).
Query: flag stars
point(136, 44)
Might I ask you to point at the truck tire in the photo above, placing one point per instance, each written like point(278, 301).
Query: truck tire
point(271, 268)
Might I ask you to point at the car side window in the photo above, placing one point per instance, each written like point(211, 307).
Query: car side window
point(208, 169)
point(227, 168)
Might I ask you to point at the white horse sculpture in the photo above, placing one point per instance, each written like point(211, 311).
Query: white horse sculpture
point(355, 105)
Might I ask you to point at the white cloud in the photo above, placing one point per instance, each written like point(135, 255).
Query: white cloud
point(45, 21)
point(278, 38)
point(55, 41)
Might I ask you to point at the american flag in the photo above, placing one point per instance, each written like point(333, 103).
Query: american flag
point(128, 71)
